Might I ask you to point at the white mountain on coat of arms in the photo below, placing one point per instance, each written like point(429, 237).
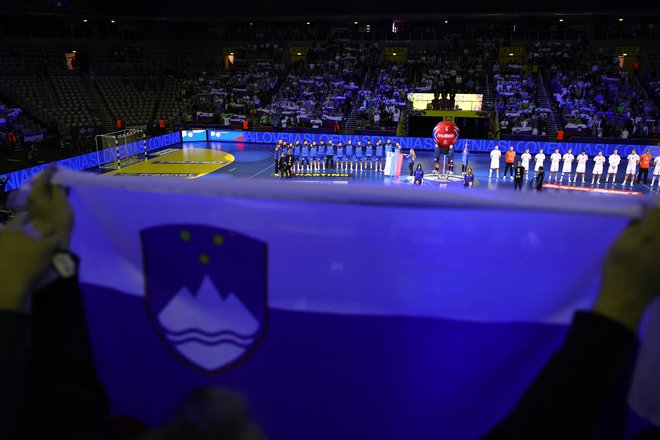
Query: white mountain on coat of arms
point(206, 329)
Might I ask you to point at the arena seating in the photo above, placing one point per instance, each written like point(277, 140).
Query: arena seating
point(564, 85)
point(173, 96)
point(128, 99)
point(75, 103)
point(384, 99)
point(30, 93)
point(599, 99)
point(320, 91)
point(517, 103)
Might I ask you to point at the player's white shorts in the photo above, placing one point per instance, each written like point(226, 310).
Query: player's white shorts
point(613, 169)
point(538, 165)
point(581, 168)
point(567, 168)
point(630, 169)
point(554, 167)
point(656, 171)
point(598, 170)
point(525, 165)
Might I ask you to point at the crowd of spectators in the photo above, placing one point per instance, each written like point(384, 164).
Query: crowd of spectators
point(332, 82)
point(315, 94)
point(554, 53)
point(444, 70)
point(382, 103)
point(652, 84)
point(236, 95)
point(517, 102)
point(321, 90)
point(602, 100)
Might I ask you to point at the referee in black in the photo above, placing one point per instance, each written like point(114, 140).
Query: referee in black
point(518, 176)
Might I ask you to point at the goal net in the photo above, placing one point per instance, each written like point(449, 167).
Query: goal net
point(120, 148)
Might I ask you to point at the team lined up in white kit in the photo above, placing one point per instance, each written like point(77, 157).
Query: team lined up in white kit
point(581, 169)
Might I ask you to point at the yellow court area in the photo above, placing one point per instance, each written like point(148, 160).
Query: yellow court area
point(188, 162)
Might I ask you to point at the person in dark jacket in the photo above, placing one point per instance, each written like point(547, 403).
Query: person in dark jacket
point(450, 160)
point(518, 176)
point(282, 165)
point(572, 396)
point(290, 162)
point(419, 174)
point(50, 388)
point(329, 157)
point(539, 179)
point(276, 156)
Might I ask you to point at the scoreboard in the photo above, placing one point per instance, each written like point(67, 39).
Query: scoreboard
point(464, 101)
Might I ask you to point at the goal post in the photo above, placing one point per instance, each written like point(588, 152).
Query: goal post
point(121, 148)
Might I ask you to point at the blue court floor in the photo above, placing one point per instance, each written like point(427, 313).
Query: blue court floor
point(256, 161)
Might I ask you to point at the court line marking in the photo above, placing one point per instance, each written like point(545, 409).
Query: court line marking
point(267, 168)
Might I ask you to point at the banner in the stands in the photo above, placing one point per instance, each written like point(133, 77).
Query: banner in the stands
point(32, 138)
point(381, 308)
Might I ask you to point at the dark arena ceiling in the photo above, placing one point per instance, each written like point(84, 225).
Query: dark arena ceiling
point(173, 9)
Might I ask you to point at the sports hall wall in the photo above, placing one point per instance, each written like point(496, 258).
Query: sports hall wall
point(474, 145)
point(91, 160)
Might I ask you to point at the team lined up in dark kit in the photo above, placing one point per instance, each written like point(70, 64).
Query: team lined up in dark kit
point(312, 157)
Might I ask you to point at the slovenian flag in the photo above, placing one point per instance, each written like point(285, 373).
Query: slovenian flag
point(358, 312)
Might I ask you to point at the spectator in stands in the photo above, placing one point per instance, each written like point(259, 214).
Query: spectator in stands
point(209, 413)
point(586, 373)
point(602, 101)
point(68, 400)
point(517, 103)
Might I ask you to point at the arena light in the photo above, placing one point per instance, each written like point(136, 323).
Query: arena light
point(561, 20)
point(394, 54)
point(625, 54)
point(511, 54)
point(73, 51)
point(112, 21)
point(355, 22)
point(446, 21)
point(85, 20)
point(250, 23)
point(299, 53)
point(308, 23)
point(620, 19)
